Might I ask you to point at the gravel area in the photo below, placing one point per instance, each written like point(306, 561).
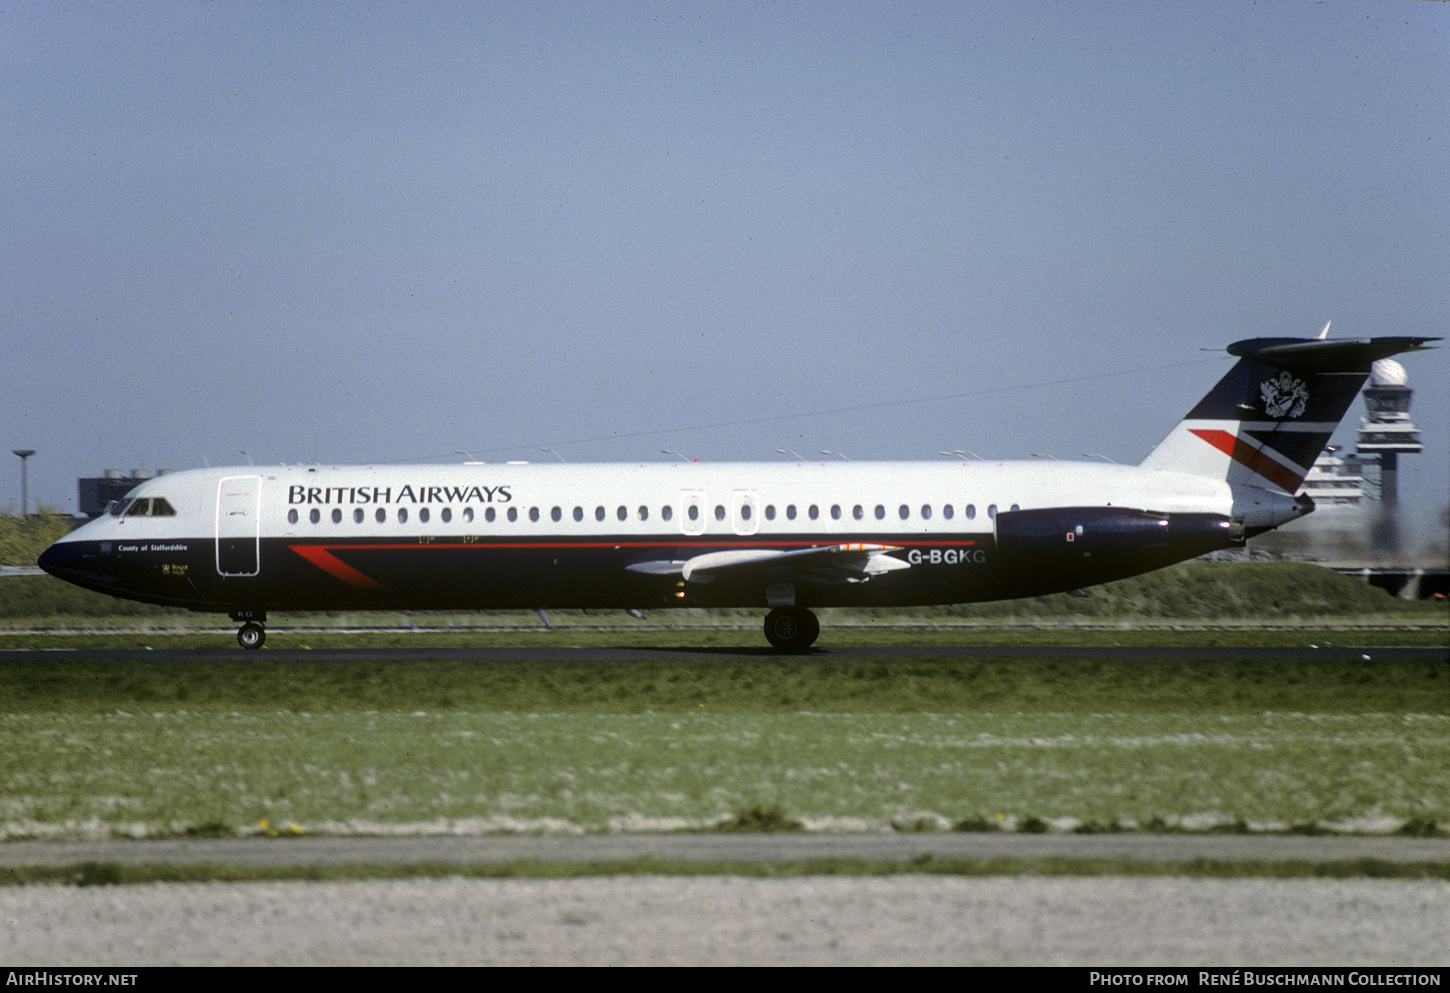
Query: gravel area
point(653, 920)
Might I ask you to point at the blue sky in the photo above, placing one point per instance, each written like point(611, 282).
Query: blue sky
point(379, 232)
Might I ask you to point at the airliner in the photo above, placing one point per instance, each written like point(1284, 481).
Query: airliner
point(782, 537)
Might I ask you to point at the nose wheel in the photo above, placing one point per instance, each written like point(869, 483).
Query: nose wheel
point(252, 635)
point(791, 629)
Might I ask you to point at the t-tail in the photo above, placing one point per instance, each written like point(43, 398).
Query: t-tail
point(1261, 428)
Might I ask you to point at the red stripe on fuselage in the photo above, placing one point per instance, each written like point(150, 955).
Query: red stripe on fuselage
point(1256, 459)
point(320, 556)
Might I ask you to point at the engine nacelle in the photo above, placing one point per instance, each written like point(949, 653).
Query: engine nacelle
point(1091, 544)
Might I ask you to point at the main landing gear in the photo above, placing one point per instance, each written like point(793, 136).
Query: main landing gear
point(791, 629)
point(254, 632)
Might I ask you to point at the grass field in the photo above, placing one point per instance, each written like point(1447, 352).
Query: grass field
point(155, 747)
point(266, 743)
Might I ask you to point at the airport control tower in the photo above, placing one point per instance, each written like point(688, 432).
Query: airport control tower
point(1385, 433)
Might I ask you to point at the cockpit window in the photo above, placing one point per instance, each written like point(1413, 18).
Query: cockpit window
point(144, 507)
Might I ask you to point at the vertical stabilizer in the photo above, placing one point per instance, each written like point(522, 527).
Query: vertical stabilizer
point(1266, 422)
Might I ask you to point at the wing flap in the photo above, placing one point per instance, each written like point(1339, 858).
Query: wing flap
point(854, 562)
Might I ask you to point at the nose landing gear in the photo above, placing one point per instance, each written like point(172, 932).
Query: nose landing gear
point(254, 632)
point(252, 635)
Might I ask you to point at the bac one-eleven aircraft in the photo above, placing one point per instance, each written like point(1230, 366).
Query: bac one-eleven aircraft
point(780, 536)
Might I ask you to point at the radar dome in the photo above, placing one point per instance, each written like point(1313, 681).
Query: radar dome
point(1388, 372)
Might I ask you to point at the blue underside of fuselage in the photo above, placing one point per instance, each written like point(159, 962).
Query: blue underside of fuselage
point(428, 573)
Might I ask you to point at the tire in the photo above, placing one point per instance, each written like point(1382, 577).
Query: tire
point(252, 636)
point(791, 629)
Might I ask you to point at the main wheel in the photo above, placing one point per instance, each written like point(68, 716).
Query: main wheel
point(252, 635)
point(791, 629)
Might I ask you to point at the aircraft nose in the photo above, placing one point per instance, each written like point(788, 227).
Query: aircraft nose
point(65, 560)
point(54, 559)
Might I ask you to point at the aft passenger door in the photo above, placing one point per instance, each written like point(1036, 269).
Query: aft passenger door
point(238, 525)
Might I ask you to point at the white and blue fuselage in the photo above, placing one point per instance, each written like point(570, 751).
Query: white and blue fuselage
point(786, 536)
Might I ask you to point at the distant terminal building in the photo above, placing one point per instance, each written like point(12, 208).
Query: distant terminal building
point(97, 493)
point(1368, 478)
point(1336, 479)
point(1386, 431)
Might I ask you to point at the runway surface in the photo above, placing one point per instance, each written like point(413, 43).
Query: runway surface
point(515, 653)
point(731, 921)
point(911, 918)
point(730, 848)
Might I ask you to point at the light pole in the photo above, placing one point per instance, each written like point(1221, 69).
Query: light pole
point(24, 454)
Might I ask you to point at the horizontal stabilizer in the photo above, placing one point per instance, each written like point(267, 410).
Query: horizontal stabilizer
point(1320, 355)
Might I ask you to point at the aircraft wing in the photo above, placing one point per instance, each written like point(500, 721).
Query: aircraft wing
point(820, 565)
